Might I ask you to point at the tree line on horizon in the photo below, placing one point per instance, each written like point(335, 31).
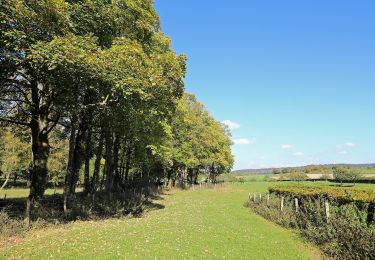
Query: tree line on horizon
point(91, 92)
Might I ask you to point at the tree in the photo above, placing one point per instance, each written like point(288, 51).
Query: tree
point(14, 155)
point(101, 92)
point(297, 176)
point(341, 175)
point(200, 143)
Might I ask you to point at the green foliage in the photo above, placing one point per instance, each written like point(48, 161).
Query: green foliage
point(227, 177)
point(342, 194)
point(341, 174)
point(347, 234)
point(199, 141)
point(98, 79)
point(14, 153)
point(297, 176)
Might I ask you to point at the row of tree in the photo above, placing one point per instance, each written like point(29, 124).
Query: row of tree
point(95, 88)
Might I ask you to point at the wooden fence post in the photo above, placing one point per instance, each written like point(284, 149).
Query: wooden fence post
point(282, 203)
point(326, 203)
point(260, 198)
point(255, 198)
point(249, 197)
point(296, 204)
point(268, 200)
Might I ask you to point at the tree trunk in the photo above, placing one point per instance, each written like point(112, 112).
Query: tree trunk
point(98, 159)
point(72, 143)
point(87, 185)
point(108, 168)
point(115, 168)
point(40, 153)
point(38, 171)
point(76, 156)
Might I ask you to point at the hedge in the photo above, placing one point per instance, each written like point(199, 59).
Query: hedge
point(342, 194)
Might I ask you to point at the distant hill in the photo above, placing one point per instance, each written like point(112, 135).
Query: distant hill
point(271, 170)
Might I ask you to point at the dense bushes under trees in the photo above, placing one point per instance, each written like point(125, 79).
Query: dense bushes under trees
point(339, 220)
point(97, 91)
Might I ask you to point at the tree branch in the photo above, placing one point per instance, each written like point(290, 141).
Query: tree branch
point(13, 121)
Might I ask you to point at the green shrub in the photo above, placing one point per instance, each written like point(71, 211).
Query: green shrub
point(347, 194)
point(9, 226)
point(349, 233)
point(227, 177)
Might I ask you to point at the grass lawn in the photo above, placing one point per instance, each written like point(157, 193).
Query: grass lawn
point(200, 224)
point(23, 193)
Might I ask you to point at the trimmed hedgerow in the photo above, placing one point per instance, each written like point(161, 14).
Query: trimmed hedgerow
point(347, 194)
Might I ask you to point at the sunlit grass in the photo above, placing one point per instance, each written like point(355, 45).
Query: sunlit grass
point(23, 192)
point(200, 224)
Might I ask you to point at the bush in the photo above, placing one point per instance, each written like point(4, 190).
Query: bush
point(49, 211)
point(9, 226)
point(297, 176)
point(227, 177)
point(347, 194)
point(342, 175)
point(348, 234)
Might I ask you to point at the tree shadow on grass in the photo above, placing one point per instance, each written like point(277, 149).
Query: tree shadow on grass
point(101, 205)
point(150, 205)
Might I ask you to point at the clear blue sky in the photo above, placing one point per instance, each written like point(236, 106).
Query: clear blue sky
point(297, 77)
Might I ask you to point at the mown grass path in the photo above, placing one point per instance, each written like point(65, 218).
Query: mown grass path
point(201, 224)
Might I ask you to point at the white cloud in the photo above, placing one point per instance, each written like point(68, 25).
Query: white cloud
point(298, 154)
point(244, 141)
point(231, 125)
point(345, 148)
point(286, 146)
point(350, 144)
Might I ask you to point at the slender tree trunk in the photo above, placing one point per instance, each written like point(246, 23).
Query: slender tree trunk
point(87, 185)
point(108, 168)
point(68, 176)
point(6, 181)
point(76, 156)
point(98, 159)
point(169, 175)
point(114, 168)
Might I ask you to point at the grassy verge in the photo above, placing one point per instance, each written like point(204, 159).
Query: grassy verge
point(186, 224)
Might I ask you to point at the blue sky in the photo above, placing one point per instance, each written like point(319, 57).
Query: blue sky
point(296, 79)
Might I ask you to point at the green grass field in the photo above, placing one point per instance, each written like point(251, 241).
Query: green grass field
point(23, 193)
point(187, 224)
